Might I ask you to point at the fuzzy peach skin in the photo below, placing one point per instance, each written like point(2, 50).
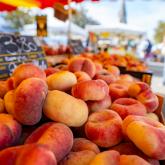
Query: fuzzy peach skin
point(63, 81)
point(136, 88)
point(147, 134)
point(128, 148)
point(9, 101)
point(128, 106)
point(81, 144)
point(51, 70)
point(106, 158)
point(132, 160)
point(3, 88)
point(90, 90)
point(82, 76)
point(118, 91)
point(152, 116)
point(106, 76)
point(62, 107)
point(10, 130)
point(2, 106)
point(78, 158)
point(114, 70)
point(82, 64)
point(104, 128)
point(98, 66)
point(30, 154)
point(28, 100)
point(25, 71)
point(149, 99)
point(99, 105)
point(56, 136)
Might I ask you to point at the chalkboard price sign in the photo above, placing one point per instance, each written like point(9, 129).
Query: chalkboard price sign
point(15, 49)
point(77, 46)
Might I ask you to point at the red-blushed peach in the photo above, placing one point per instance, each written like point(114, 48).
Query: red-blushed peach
point(136, 88)
point(99, 105)
point(149, 99)
point(106, 76)
point(29, 98)
point(98, 66)
point(104, 128)
point(118, 91)
point(82, 76)
point(152, 116)
point(51, 70)
point(3, 88)
point(81, 144)
point(63, 81)
point(124, 83)
point(128, 106)
point(90, 90)
point(82, 64)
point(25, 71)
point(106, 158)
point(132, 160)
point(30, 154)
point(78, 158)
point(56, 136)
point(128, 148)
point(62, 107)
point(114, 70)
point(147, 134)
point(9, 101)
point(10, 83)
point(2, 106)
point(10, 130)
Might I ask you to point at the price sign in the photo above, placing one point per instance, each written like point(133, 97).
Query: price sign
point(41, 25)
point(15, 50)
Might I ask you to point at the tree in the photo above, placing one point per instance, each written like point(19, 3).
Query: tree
point(81, 19)
point(19, 18)
point(159, 32)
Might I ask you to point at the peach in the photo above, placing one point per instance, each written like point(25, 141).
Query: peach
point(90, 90)
point(10, 130)
point(99, 105)
point(124, 83)
point(152, 116)
point(128, 106)
point(126, 77)
point(81, 144)
point(3, 88)
point(9, 101)
point(29, 97)
point(106, 158)
point(132, 160)
point(104, 128)
point(10, 83)
point(56, 136)
point(106, 76)
point(136, 88)
point(78, 158)
point(82, 64)
point(114, 70)
point(118, 91)
point(149, 99)
point(62, 107)
point(98, 66)
point(30, 154)
point(51, 70)
point(82, 76)
point(147, 134)
point(25, 71)
point(2, 106)
point(63, 81)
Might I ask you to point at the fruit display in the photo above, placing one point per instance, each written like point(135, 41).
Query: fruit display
point(81, 114)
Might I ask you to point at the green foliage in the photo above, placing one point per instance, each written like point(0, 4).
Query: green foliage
point(81, 18)
point(19, 18)
point(159, 32)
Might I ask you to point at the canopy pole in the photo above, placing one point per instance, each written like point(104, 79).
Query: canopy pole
point(69, 21)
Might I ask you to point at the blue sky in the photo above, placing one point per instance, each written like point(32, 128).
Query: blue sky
point(144, 14)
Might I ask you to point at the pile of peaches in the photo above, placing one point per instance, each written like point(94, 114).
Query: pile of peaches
point(131, 63)
point(80, 114)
